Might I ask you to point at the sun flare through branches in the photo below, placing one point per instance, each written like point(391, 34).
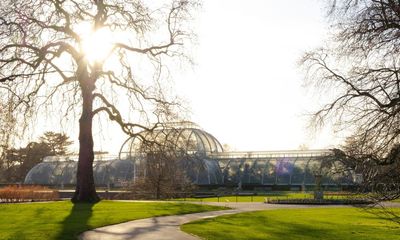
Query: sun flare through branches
point(97, 44)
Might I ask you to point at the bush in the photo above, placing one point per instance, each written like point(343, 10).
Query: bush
point(11, 194)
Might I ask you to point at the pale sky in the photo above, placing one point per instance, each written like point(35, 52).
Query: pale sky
point(246, 87)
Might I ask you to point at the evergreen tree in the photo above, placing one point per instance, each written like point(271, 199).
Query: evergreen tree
point(57, 142)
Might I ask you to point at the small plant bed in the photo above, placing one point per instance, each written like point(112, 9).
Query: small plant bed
point(311, 201)
point(16, 194)
point(65, 221)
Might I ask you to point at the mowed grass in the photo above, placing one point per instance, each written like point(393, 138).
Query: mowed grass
point(262, 198)
point(64, 220)
point(295, 224)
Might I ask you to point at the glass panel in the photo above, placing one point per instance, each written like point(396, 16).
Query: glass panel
point(269, 176)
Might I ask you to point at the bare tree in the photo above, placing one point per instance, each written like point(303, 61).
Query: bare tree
point(361, 65)
point(7, 135)
point(373, 173)
point(161, 160)
point(163, 174)
point(44, 57)
point(359, 68)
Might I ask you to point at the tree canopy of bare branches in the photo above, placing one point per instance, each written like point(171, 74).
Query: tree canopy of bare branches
point(359, 68)
point(163, 169)
point(44, 61)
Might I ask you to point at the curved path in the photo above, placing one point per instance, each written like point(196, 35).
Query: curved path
point(165, 228)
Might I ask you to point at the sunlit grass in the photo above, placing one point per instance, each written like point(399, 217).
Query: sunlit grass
point(294, 224)
point(262, 198)
point(63, 220)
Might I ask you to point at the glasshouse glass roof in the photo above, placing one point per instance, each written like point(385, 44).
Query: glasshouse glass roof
point(204, 161)
point(187, 137)
point(111, 172)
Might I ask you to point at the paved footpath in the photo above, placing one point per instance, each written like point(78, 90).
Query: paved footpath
point(168, 228)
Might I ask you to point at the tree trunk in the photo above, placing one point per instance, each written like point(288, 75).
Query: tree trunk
point(85, 189)
point(158, 191)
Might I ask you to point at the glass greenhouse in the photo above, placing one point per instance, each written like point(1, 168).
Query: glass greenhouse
point(62, 171)
point(294, 168)
point(201, 157)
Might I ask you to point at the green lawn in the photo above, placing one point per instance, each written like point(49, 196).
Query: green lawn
point(295, 224)
point(63, 220)
point(261, 198)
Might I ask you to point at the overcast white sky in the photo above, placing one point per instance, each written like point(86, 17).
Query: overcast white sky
point(246, 87)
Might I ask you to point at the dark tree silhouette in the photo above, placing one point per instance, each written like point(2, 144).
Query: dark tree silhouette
point(9, 165)
point(7, 135)
point(359, 68)
point(57, 142)
point(17, 162)
point(44, 61)
point(29, 156)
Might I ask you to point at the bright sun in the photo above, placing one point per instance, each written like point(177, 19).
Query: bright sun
point(96, 45)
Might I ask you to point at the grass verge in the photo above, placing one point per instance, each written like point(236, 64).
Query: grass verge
point(294, 224)
point(262, 198)
point(64, 220)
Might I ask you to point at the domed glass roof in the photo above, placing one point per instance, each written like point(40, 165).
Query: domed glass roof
point(184, 137)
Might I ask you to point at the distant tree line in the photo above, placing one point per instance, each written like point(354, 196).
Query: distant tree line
point(15, 163)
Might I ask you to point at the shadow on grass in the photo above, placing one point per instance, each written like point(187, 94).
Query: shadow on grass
point(76, 222)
